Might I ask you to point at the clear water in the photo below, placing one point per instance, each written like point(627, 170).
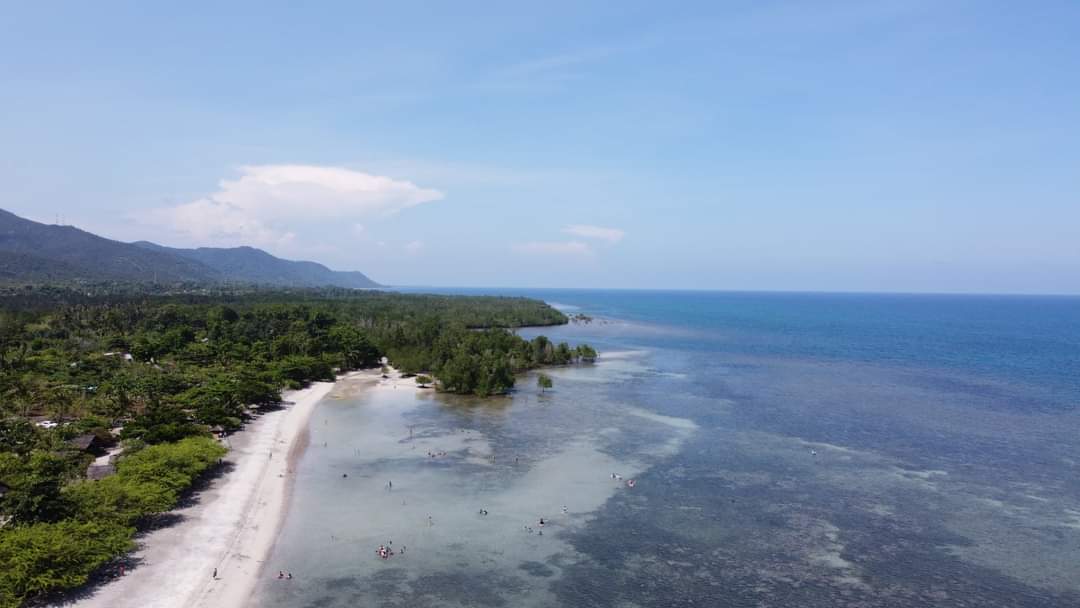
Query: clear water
point(788, 450)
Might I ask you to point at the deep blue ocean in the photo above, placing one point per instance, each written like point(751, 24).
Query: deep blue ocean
point(789, 450)
point(1031, 340)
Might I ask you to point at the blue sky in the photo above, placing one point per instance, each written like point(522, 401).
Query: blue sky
point(851, 145)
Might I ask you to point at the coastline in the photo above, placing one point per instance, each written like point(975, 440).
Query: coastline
point(231, 525)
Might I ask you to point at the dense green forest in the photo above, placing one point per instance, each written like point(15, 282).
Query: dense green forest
point(86, 368)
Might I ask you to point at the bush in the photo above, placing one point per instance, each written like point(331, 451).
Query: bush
point(146, 483)
point(173, 465)
point(119, 500)
point(50, 556)
point(35, 487)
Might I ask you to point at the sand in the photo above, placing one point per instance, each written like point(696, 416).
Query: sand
point(232, 524)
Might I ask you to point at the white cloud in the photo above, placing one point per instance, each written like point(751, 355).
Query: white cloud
point(554, 248)
point(611, 235)
point(414, 247)
point(358, 229)
point(258, 206)
point(207, 220)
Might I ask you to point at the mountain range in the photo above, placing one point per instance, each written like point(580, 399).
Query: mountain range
point(34, 252)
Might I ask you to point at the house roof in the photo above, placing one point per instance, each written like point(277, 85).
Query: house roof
point(83, 442)
point(99, 471)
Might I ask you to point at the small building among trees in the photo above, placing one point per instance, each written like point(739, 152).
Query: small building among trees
point(88, 443)
point(96, 472)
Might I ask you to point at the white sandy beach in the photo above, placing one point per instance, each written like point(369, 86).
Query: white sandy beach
point(232, 525)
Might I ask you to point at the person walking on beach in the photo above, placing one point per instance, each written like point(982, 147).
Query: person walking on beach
point(215, 574)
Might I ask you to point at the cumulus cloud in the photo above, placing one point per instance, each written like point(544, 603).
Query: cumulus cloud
point(554, 248)
point(260, 204)
point(611, 235)
point(414, 247)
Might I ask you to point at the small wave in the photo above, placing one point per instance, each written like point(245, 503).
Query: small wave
point(684, 424)
point(623, 354)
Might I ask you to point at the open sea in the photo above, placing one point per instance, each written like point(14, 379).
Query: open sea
point(788, 450)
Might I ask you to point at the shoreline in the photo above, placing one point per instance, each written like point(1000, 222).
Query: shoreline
point(230, 526)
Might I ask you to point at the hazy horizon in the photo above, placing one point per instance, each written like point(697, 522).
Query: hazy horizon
point(735, 291)
point(893, 147)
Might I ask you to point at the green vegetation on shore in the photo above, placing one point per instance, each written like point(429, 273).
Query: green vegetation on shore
point(89, 368)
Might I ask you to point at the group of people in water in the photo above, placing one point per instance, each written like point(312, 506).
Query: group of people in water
point(540, 525)
point(386, 551)
point(281, 574)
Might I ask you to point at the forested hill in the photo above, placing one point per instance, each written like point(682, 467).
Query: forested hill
point(32, 252)
point(257, 266)
point(41, 252)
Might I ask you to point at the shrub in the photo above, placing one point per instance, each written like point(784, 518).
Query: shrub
point(46, 557)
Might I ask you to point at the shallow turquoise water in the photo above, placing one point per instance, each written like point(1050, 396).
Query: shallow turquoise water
point(790, 449)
